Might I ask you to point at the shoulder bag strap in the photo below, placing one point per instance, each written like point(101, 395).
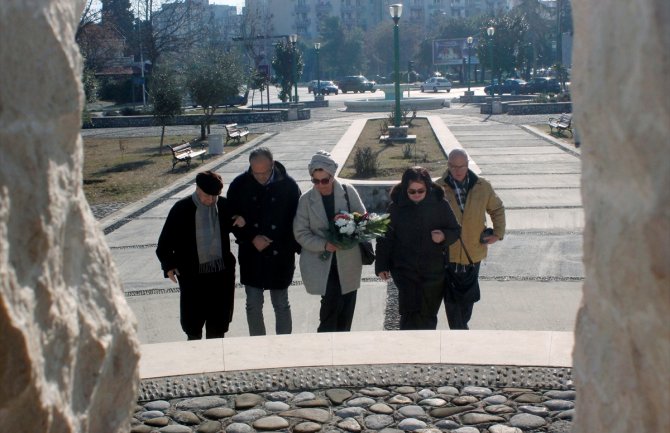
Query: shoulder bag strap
point(346, 196)
point(466, 250)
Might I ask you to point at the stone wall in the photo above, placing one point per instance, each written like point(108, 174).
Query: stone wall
point(620, 92)
point(518, 108)
point(195, 119)
point(68, 352)
point(537, 108)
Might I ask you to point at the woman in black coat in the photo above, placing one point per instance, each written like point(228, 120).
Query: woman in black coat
point(412, 251)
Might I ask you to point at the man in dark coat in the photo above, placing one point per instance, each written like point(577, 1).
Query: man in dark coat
point(267, 198)
point(194, 250)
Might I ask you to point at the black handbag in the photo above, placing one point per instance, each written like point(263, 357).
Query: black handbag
point(462, 281)
point(367, 252)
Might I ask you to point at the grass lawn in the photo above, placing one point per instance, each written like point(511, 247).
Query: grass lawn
point(123, 170)
point(394, 159)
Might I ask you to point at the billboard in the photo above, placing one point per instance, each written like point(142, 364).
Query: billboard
point(453, 51)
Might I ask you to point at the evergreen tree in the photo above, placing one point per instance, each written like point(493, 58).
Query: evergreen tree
point(282, 64)
point(118, 14)
point(211, 79)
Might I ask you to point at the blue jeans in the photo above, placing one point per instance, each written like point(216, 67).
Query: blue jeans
point(255, 300)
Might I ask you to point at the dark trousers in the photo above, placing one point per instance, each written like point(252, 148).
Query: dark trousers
point(337, 310)
point(419, 298)
point(458, 314)
point(206, 300)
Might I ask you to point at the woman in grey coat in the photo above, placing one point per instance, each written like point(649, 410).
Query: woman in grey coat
point(327, 270)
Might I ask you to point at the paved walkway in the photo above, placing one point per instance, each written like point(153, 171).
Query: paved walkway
point(531, 281)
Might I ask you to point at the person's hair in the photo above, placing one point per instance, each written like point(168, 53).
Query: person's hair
point(458, 152)
point(259, 152)
point(413, 174)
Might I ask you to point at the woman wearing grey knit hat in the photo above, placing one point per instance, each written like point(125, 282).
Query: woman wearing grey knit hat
point(327, 270)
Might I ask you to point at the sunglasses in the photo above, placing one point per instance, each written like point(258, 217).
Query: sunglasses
point(323, 181)
point(416, 191)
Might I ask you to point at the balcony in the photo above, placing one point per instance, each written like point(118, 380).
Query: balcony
point(323, 8)
point(303, 23)
point(301, 9)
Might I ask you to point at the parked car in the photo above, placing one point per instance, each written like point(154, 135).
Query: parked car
point(325, 87)
point(356, 83)
point(240, 99)
point(311, 85)
point(435, 84)
point(511, 85)
point(381, 79)
point(542, 85)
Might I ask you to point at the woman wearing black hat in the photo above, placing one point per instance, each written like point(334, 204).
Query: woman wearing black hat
point(194, 251)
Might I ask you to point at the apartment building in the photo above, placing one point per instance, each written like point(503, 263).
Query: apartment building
point(306, 17)
point(182, 21)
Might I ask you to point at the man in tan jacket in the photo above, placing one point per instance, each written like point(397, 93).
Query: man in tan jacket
point(471, 198)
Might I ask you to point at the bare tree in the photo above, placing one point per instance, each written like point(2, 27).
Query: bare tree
point(170, 28)
point(90, 15)
point(256, 34)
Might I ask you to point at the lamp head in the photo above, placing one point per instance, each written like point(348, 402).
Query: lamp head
point(490, 31)
point(293, 38)
point(395, 10)
point(317, 45)
point(469, 40)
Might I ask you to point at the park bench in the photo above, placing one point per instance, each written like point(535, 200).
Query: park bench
point(563, 123)
point(234, 132)
point(184, 152)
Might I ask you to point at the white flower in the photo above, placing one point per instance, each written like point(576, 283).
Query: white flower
point(348, 228)
point(341, 222)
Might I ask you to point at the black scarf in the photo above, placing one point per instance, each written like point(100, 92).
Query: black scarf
point(460, 189)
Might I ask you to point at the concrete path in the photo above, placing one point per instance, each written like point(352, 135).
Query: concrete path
point(531, 281)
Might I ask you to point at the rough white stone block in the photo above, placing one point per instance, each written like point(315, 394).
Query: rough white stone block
point(622, 110)
point(68, 352)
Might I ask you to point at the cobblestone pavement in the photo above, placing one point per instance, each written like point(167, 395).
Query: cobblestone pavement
point(396, 409)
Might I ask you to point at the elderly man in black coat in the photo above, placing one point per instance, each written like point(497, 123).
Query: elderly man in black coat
point(267, 198)
point(194, 250)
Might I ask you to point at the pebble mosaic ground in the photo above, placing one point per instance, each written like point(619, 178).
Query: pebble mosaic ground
point(336, 400)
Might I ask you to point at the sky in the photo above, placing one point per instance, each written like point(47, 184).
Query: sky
point(238, 3)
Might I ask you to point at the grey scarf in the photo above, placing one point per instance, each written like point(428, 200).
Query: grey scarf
point(207, 237)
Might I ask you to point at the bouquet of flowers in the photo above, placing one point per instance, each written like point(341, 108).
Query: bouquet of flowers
point(348, 229)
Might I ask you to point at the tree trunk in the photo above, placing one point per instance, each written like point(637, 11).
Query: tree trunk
point(203, 136)
point(160, 147)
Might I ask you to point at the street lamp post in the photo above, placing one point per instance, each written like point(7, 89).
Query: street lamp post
point(469, 53)
point(294, 38)
point(395, 11)
point(491, 31)
point(317, 47)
